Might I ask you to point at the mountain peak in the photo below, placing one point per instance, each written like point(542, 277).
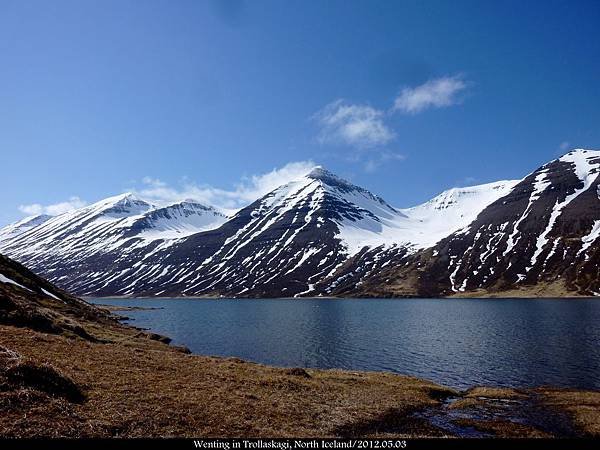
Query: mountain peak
point(195, 204)
point(578, 153)
point(192, 205)
point(316, 171)
point(463, 199)
point(191, 201)
point(117, 199)
point(122, 205)
point(124, 197)
point(319, 173)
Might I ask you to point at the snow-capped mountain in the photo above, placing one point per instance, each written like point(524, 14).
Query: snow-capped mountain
point(541, 237)
point(283, 244)
point(93, 239)
point(177, 220)
point(14, 229)
point(419, 227)
point(321, 235)
point(452, 210)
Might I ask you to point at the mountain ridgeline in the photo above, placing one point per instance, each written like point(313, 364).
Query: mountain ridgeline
point(321, 235)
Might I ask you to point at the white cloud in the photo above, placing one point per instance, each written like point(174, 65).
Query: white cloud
point(258, 185)
point(365, 129)
point(435, 93)
point(355, 125)
point(153, 182)
point(564, 146)
point(54, 209)
point(32, 210)
point(249, 189)
point(158, 192)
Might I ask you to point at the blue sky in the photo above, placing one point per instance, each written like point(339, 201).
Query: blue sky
point(173, 98)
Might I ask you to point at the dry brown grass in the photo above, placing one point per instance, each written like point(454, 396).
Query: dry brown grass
point(136, 386)
point(115, 381)
point(542, 289)
point(26, 374)
point(495, 392)
point(476, 396)
point(504, 428)
point(582, 406)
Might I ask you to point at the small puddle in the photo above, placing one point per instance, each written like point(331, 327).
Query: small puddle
point(521, 412)
point(445, 418)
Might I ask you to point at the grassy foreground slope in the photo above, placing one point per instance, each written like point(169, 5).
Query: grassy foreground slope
point(69, 369)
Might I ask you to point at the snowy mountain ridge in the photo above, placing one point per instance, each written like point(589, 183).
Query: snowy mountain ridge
point(320, 234)
point(424, 225)
point(117, 224)
point(286, 242)
point(14, 229)
point(540, 237)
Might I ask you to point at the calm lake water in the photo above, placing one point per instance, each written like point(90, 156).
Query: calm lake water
point(457, 343)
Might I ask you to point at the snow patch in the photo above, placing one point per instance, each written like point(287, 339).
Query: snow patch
point(587, 173)
point(5, 279)
point(590, 238)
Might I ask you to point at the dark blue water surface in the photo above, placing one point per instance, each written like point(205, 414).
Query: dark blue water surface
point(458, 343)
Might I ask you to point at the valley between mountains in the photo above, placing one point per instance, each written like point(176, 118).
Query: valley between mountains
point(320, 235)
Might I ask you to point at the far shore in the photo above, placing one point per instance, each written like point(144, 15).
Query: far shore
point(490, 296)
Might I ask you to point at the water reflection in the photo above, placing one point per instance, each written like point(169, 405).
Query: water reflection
point(458, 343)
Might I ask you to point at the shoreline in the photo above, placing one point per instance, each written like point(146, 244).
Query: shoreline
point(116, 380)
point(123, 319)
point(167, 339)
point(71, 370)
point(138, 386)
point(451, 297)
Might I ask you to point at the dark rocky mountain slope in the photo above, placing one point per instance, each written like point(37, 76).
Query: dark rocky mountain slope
point(540, 239)
point(27, 300)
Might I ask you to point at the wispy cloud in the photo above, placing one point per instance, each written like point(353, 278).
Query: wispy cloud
point(365, 130)
point(246, 191)
point(355, 125)
point(564, 146)
point(160, 193)
point(53, 209)
point(437, 93)
point(375, 161)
